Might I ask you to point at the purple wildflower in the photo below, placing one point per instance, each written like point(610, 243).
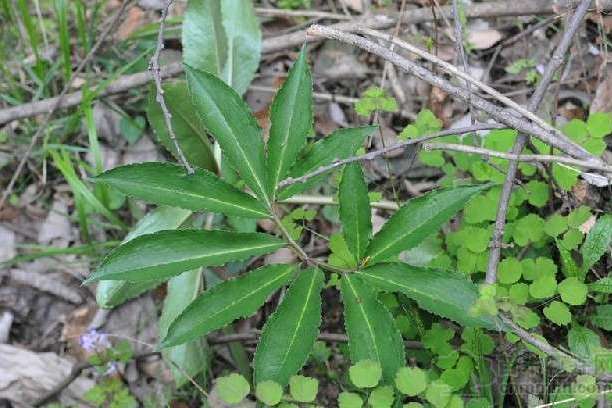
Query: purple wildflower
point(111, 368)
point(93, 341)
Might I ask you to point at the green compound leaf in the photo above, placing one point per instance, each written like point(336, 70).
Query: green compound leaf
point(169, 184)
point(411, 381)
point(579, 216)
point(188, 127)
point(475, 239)
point(519, 293)
point(303, 389)
point(373, 99)
point(571, 240)
point(438, 394)
point(365, 374)
point(339, 145)
point(229, 120)
point(525, 317)
point(417, 219)
point(599, 124)
point(543, 286)
point(573, 291)
point(227, 302)
point(430, 288)
point(480, 209)
point(459, 376)
point(370, 328)
point(597, 243)
point(537, 193)
point(528, 229)
point(382, 397)
point(558, 313)
point(535, 268)
point(355, 213)
point(555, 225)
point(565, 176)
point(189, 359)
point(509, 271)
point(290, 333)
point(269, 392)
point(291, 120)
point(112, 293)
point(233, 388)
point(576, 130)
point(349, 400)
point(165, 254)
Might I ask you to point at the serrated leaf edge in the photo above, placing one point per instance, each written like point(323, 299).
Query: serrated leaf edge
point(275, 317)
point(394, 242)
point(421, 293)
point(306, 76)
point(95, 276)
point(260, 183)
point(279, 277)
point(206, 173)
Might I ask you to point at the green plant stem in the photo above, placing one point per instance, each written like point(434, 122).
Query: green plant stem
point(300, 252)
point(327, 200)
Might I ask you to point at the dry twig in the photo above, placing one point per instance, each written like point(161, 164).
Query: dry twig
point(377, 153)
point(451, 69)
point(535, 100)
point(159, 97)
point(461, 52)
point(509, 118)
point(282, 42)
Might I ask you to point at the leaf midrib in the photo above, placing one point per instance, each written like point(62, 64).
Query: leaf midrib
point(394, 282)
point(241, 299)
point(243, 153)
point(401, 237)
point(295, 90)
point(310, 290)
point(194, 195)
point(355, 207)
point(361, 308)
point(237, 251)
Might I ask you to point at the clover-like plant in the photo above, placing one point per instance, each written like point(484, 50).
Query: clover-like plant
point(368, 264)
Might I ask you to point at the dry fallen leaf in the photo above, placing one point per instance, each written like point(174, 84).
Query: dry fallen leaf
point(483, 39)
point(75, 325)
point(134, 19)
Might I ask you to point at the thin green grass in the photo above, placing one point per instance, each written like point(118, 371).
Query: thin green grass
point(61, 9)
